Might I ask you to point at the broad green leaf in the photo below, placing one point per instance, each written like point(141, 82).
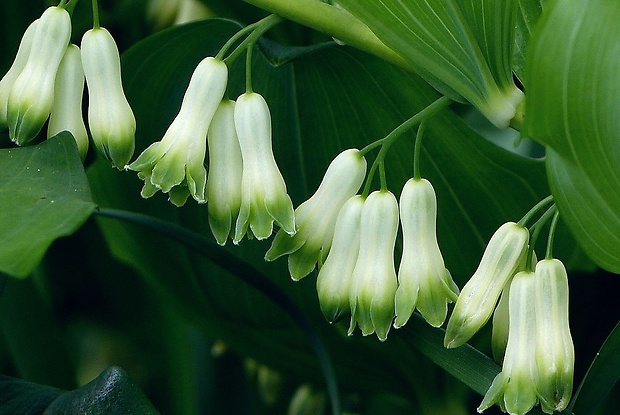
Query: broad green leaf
point(573, 98)
point(437, 40)
point(603, 374)
point(528, 13)
point(113, 392)
point(44, 195)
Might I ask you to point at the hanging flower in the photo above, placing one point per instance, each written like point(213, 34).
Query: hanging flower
point(264, 198)
point(333, 284)
point(16, 68)
point(110, 118)
point(32, 93)
point(175, 165)
point(555, 356)
point(66, 114)
point(500, 261)
point(514, 387)
point(225, 171)
point(316, 217)
point(424, 282)
point(374, 277)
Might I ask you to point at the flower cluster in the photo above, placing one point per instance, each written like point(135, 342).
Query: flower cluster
point(352, 239)
point(530, 325)
point(245, 189)
point(46, 80)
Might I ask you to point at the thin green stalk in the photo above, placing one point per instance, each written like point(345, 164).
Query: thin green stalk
point(389, 139)
point(268, 21)
point(258, 29)
point(382, 175)
point(417, 150)
point(246, 273)
point(95, 4)
point(62, 3)
point(535, 209)
point(248, 70)
point(333, 21)
point(552, 228)
point(535, 231)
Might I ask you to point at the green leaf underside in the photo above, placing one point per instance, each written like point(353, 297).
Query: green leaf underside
point(314, 103)
point(528, 13)
point(572, 105)
point(44, 195)
point(110, 393)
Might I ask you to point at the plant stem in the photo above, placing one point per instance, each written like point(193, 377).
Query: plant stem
point(248, 70)
point(535, 209)
point(552, 228)
point(332, 21)
point(95, 4)
point(267, 22)
point(535, 230)
point(257, 29)
point(417, 149)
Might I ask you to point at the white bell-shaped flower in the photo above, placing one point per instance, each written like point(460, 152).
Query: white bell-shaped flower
point(423, 280)
point(555, 355)
point(225, 171)
point(110, 118)
point(374, 277)
point(264, 198)
point(7, 81)
point(500, 261)
point(175, 165)
point(32, 94)
point(514, 388)
point(316, 217)
point(66, 112)
point(333, 284)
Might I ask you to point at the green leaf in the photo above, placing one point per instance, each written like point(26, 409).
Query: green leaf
point(112, 392)
point(573, 98)
point(44, 195)
point(528, 13)
point(437, 40)
point(603, 374)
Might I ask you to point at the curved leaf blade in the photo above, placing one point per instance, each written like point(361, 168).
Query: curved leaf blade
point(573, 98)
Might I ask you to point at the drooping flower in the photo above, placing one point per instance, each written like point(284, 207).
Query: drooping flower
point(264, 199)
point(555, 356)
point(316, 217)
point(333, 284)
point(374, 277)
point(16, 68)
point(514, 388)
point(424, 282)
point(66, 114)
point(110, 118)
point(32, 93)
point(175, 165)
point(502, 257)
point(225, 171)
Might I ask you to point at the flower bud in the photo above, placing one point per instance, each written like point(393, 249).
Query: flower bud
point(16, 68)
point(110, 118)
point(501, 259)
point(175, 165)
point(316, 217)
point(374, 277)
point(333, 283)
point(225, 172)
point(555, 356)
point(32, 94)
point(423, 280)
point(264, 198)
point(515, 384)
point(66, 112)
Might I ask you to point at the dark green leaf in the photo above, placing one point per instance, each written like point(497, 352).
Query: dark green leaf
point(113, 392)
point(572, 105)
point(44, 195)
point(527, 15)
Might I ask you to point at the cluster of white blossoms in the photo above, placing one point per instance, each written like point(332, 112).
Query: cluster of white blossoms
point(352, 238)
point(46, 80)
point(531, 334)
point(245, 189)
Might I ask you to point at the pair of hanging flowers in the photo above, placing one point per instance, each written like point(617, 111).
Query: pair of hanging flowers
point(245, 189)
point(46, 80)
